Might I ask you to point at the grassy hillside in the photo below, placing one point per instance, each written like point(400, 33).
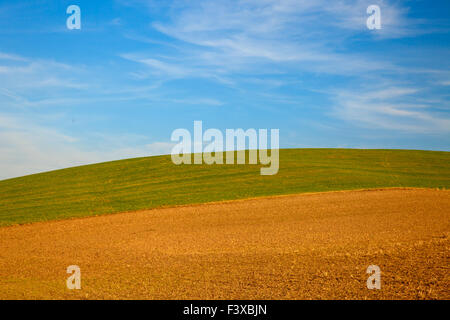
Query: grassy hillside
point(153, 182)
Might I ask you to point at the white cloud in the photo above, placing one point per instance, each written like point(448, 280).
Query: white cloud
point(219, 39)
point(6, 56)
point(392, 109)
point(27, 148)
point(162, 68)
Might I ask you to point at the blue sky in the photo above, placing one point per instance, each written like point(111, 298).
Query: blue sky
point(139, 69)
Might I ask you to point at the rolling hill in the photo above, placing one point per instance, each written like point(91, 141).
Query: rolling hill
point(151, 182)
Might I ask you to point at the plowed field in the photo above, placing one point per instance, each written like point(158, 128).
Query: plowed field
point(310, 246)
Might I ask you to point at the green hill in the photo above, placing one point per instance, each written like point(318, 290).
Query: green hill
point(144, 183)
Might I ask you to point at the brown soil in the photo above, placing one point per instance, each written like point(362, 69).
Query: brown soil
point(313, 246)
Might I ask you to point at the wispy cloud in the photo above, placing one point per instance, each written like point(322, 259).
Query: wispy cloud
point(5, 56)
point(392, 109)
point(27, 148)
point(218, 39)
point(161, 68)
point(240, 40)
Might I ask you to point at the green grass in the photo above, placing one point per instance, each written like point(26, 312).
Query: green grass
point(144, 183)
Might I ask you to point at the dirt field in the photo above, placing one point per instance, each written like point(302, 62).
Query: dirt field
point(314, 246)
